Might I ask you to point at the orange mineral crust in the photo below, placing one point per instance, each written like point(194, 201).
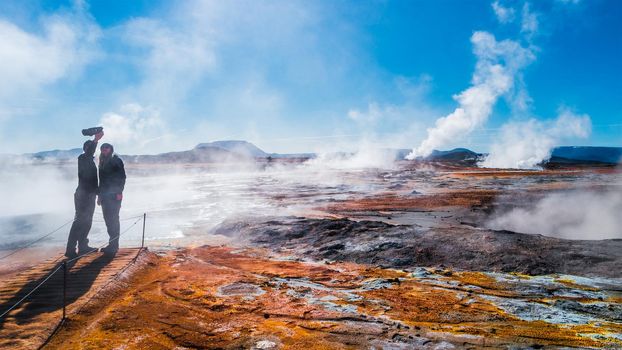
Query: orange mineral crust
point(393, 202)
point(218, 297)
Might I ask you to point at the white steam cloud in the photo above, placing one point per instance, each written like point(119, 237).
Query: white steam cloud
point(504, 14)
point(375, 145)
point(524, 145)
point(367, 155)
point(133, 128)
point(61, 47)
point(35, 189)
point(529, 21)
point(574, 215)
point(498, 64)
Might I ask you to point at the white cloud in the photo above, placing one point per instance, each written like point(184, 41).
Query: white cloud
point(504, 14)
point(529, 21)
point(196, 43)
point(414, 91)
point(373, 114)
point(33, 60)
point(174, 59)
point(395, 124)
point(234, 68)
point(380, 128)
point(134, 129)
point(526, 144)
point(498, 65)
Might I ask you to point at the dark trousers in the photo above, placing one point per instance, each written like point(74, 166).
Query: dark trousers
point(85, 207)
point(110, 208)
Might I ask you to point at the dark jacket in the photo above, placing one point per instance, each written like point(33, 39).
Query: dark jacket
point(87, 171)
point(111, 175)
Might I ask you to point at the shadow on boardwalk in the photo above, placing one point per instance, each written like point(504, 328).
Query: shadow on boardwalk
point(49, 297)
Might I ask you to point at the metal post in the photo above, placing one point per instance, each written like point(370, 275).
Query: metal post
point(64, 288)
point(142, 243)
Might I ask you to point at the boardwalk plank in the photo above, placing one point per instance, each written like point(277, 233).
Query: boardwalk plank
point(29, 324)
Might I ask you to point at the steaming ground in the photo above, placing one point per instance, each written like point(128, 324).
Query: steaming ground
point(570, 215)
point(185, 203)
point(326, 254)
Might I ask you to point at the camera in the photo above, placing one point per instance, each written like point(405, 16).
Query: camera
point(92, 131)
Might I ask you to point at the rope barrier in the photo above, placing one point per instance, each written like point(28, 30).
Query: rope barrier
point(64, 264)
point(37, 240)
point(124, 219)
point(110, 240)
point(32, 291)
point(56, 230)
point(93, 295)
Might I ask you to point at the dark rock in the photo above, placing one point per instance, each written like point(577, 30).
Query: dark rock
point(402, 246)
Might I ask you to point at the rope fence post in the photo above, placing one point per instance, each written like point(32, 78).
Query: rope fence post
point(64, 289)
point(142, 243)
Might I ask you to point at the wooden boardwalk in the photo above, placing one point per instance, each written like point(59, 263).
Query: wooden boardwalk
point(30, 323)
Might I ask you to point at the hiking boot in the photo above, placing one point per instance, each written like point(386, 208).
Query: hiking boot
point(86, 250)
point(71, 254)
point(109, 251)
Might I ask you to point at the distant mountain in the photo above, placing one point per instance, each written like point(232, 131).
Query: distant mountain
point(210, 152)
point(243, 148)
point(292, 155)
point(586, 154)
point(214, 152)
point(195, 155)
point(235, 151)
point(56, 154)
point(456, 154)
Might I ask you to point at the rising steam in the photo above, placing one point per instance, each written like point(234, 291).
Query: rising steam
point(574, 215)
point(134, 129)
point(498, 65)
point(524, 145)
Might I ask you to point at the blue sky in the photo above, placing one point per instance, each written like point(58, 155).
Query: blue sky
point(294, 76)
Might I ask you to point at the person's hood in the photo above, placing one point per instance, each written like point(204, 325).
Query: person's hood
point(108, 145)
point(89, 147)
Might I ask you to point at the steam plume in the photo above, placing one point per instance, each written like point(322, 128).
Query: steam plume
point(133, 128)
point(526, 144)
point(498, 64)
point(597, 216)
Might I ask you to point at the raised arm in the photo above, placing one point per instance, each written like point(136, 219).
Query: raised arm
point(93, 147)
point(98, 137)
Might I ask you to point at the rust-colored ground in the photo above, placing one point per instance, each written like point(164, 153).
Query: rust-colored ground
point(501, 173)
point(231, 298)
point(468, 188)
point(394, 202)
point(215, 297)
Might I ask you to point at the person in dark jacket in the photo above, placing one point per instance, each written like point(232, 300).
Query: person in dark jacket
point(84, 200)
point(111, 185)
